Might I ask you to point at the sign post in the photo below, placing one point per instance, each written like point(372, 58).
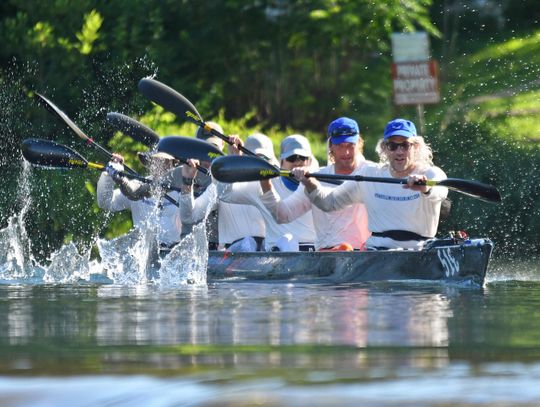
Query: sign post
point(415, 76)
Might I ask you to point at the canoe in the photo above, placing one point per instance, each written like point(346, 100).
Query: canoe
point(441, 260)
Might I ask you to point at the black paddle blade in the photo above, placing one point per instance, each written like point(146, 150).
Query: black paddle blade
point(137, 131)
point(242, 168)
point(50, 154)
point(167, 98)
point(184, 148)
point(476, 189)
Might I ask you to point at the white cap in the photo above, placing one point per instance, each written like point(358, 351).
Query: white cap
point(259, 143)
point(209, 137)
point(295, 144)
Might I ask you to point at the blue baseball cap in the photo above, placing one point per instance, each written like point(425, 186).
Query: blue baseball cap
point(343, 130)
point(399, 127)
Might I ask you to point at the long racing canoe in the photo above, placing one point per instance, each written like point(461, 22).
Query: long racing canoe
point(440, 260)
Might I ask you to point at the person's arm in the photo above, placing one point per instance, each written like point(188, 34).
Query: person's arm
point(239, 192)
point(289, 209)
point(108, 198)
point(193, 210)
point(328, 199)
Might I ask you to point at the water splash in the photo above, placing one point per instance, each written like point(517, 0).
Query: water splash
point(67, 266)
point(132, 259)
point(128, 259)
point(180, 266)
point(16, 259)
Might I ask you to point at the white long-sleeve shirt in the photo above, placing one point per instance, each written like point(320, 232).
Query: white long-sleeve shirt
point(144, 212)
point(235, 221)
point(349, 224)
point(250, 193)
point(389, 206)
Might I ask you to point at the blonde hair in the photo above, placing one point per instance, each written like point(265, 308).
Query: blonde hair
point(359, 149)
point(422, 154)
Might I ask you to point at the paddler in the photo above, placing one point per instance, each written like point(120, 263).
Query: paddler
point(145, 201)
point(234, 227)
point(295, 152)
point(346, 229)
point(399, 217)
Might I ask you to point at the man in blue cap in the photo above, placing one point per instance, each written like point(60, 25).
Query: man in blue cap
point(347, 228)
point(398, 217)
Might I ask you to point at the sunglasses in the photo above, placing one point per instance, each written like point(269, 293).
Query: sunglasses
point(392, 146)
point(342, 132)
point(295, 157)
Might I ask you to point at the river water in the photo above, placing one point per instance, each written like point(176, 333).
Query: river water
point(78, 331)
point(89, 343)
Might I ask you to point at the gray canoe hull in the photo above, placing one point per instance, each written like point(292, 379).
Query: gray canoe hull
point(467, 261)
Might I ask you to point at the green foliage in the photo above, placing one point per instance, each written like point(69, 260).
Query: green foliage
point(263, 66)
point(492, 158)
point(488, 129)
point(89, 33)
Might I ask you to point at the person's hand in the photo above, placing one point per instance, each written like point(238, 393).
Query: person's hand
point(237, 142)
point(114, 168)
point(300, 173)
point(412, 181)
point(117, 158)
point(309, 182)
point(189, 169)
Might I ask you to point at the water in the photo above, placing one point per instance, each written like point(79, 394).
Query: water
point(101, 331)
point(272, 344)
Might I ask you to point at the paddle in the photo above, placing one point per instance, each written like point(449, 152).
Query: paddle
point(143, 134)
point(244, 168)
point(56, 110)
point(167, 97)
point(183, 148)
point(137, 131)
point(174, 102)
point(50, 154)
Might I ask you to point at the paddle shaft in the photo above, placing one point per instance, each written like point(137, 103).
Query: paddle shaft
point(355, 178)
point(194, 119)
point(101, 167)
point(472, 188)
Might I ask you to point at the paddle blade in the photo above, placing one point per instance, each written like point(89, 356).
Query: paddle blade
point(475, 189)
point(50, 154)
point(167, 98)
point(234, 168)
point(137, 131)
point(184, 148)
point(64, 117)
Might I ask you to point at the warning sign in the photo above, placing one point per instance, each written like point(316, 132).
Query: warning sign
point(415, 82)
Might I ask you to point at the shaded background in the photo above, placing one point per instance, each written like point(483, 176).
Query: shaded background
point(278, 67)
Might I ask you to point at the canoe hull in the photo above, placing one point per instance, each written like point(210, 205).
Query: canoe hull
point(464, 262)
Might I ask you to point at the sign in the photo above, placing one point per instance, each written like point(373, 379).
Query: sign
point(415, 83)
point(410, 47)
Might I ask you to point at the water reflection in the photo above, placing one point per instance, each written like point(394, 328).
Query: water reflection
point(253, 324)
